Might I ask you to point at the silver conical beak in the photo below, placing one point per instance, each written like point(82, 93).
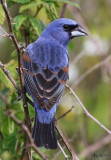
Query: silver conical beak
point(79, 31)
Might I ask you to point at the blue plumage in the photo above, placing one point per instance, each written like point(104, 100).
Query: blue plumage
point(46, 64)
point(46, 54)
point(48, 114)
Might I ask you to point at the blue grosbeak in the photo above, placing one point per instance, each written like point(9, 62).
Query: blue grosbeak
point(46, 64)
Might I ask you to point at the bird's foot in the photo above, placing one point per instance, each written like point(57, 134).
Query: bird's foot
point(19, 97)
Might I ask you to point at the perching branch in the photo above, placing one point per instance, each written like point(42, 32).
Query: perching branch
point(86, 111)
point(19, 51)
point(74, 157)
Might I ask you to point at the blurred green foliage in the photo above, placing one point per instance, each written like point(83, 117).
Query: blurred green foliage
point(30, 17)
point(2, 15)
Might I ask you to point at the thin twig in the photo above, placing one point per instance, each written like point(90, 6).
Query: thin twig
point(13, 51)
point(38, 9)
point(63, 10)
point(3, 36)
point(14, 82)
point(3, 30)
point(86, 111)
point(63, 115)
point(96, 66)
point(5, 33)
point(58, 153)
point(9, 76)
point(74, 157)
point(89, 150)
point(76, 59)
point(9, 20)
point(62, 150)
point(5, 100)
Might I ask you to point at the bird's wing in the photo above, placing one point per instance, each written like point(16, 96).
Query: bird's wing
point(45, 86)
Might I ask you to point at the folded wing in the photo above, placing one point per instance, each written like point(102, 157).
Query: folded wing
point(44, 85)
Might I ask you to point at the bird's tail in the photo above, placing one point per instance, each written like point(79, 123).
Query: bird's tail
point(44, 134)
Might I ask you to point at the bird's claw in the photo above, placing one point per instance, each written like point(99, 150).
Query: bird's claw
point(19, 97)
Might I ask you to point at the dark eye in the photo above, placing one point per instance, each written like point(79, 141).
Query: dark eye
point(66, 26)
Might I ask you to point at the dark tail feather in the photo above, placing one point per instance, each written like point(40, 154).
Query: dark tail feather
point(44, 134)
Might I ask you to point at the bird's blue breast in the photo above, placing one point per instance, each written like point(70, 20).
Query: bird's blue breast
point(48, 54)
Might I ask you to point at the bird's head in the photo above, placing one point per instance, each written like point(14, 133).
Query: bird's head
point(63, 30)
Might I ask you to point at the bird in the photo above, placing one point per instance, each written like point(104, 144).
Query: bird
point(45, 72)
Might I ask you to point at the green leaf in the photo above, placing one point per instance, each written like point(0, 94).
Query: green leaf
point(51, 11)
point(30, 5)
point(70, 46)
point(3, 79)
point(18, 20)
point(2, 15)
point(64, 1)
point(36, 25)
point(9, 142)
point(5, 155)
point(21, 1)
point(10, 3)
point(11, 139)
